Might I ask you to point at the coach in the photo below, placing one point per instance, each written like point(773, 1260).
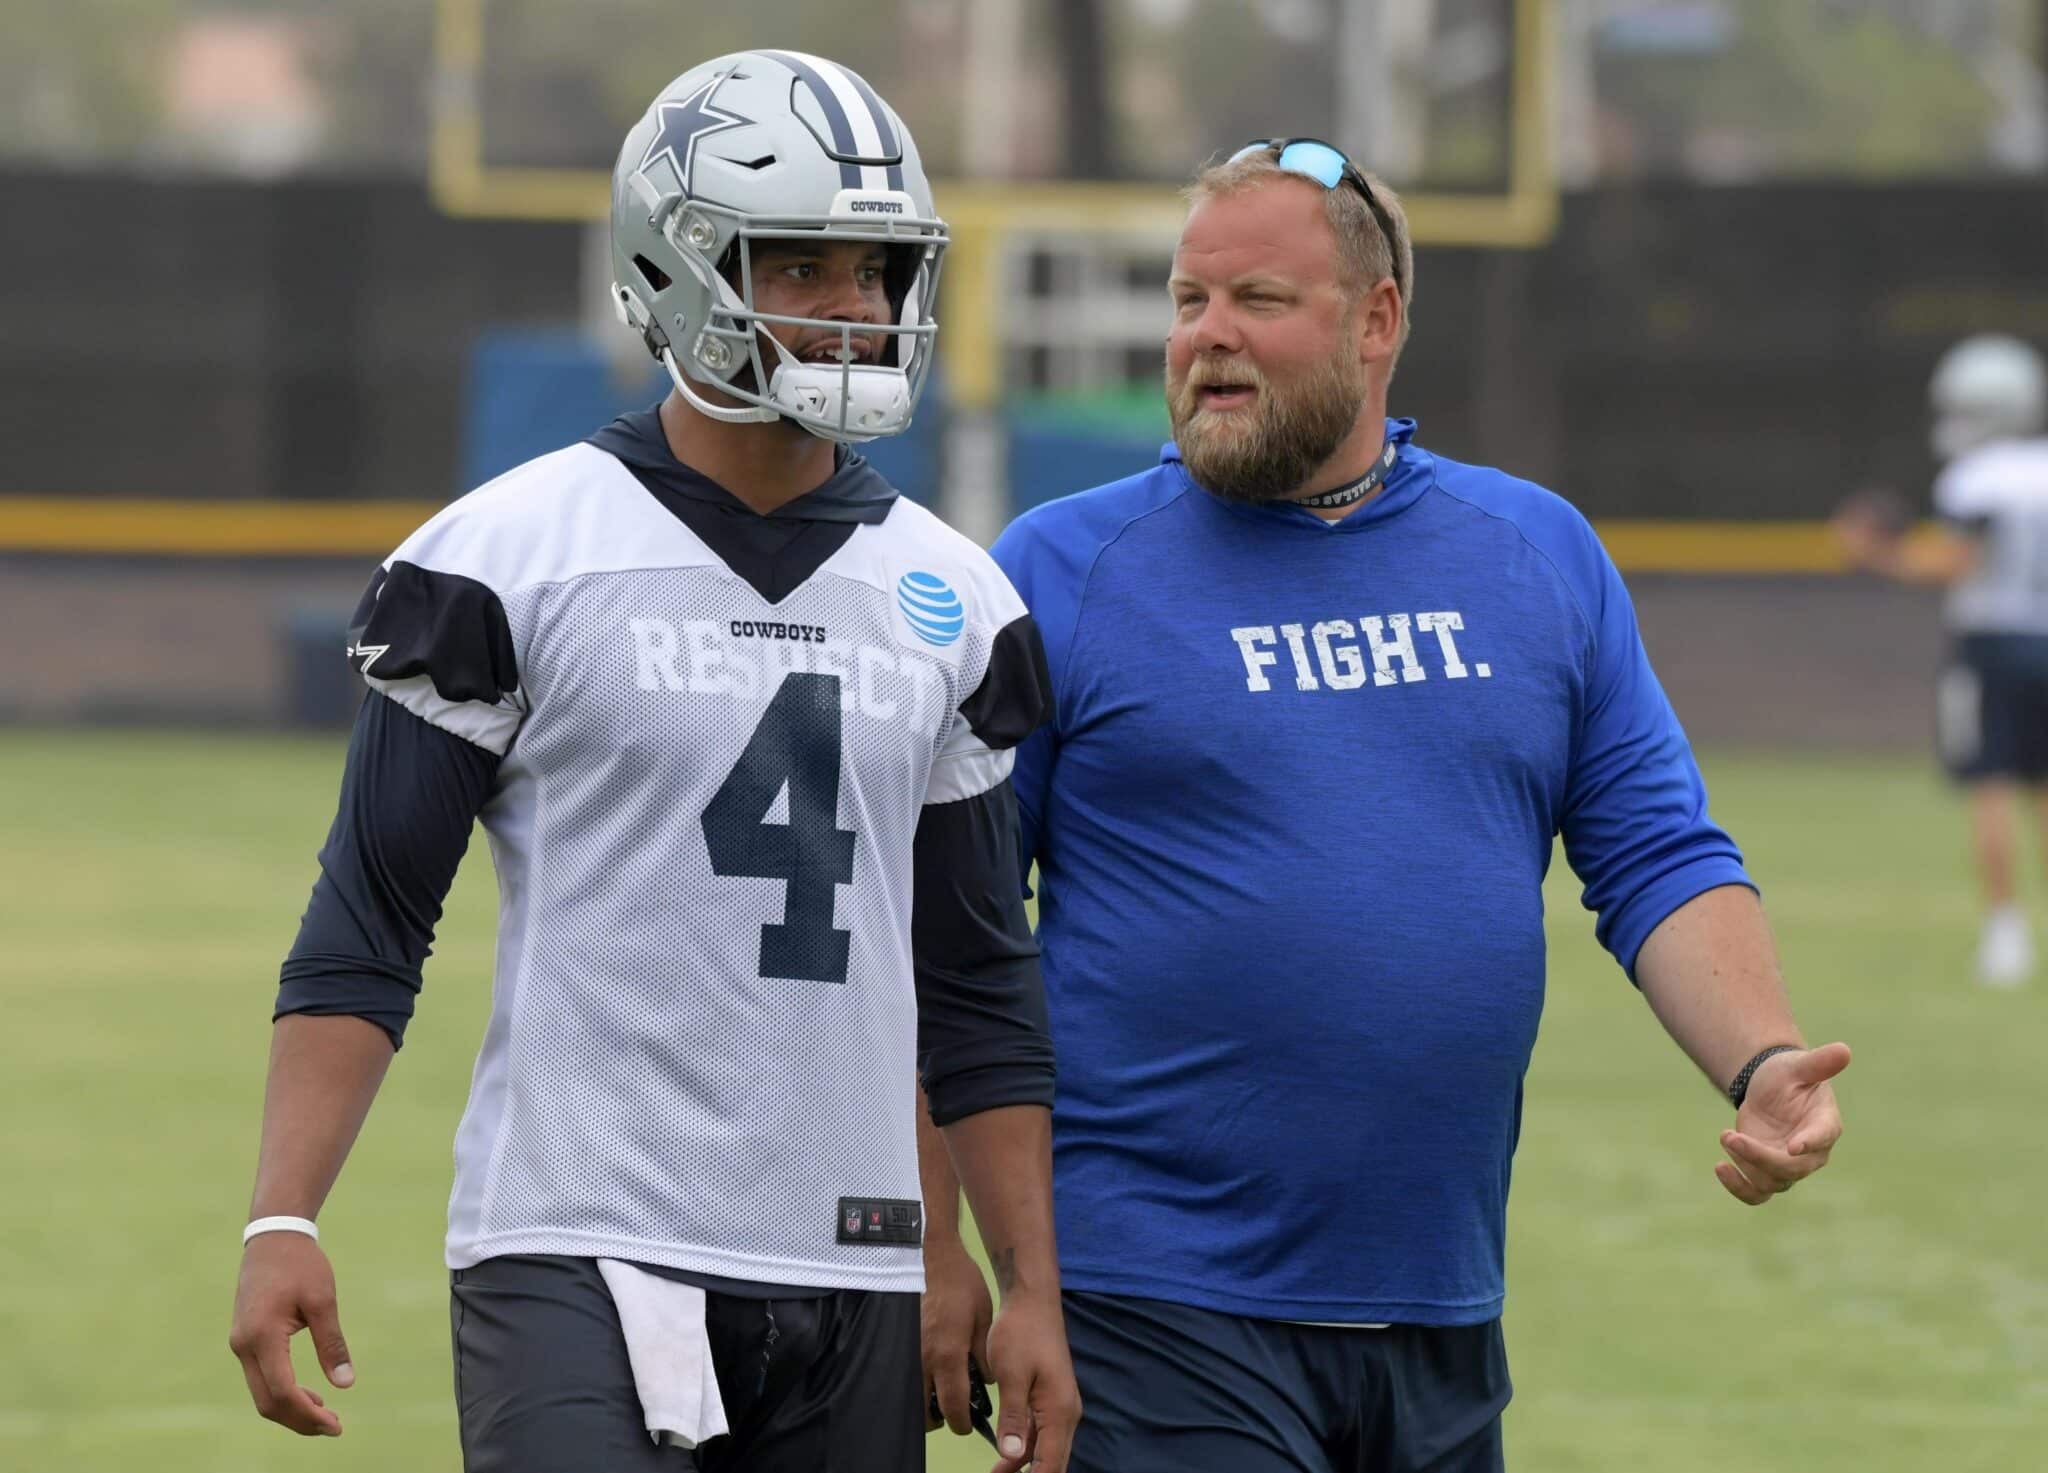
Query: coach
point(1323, 699)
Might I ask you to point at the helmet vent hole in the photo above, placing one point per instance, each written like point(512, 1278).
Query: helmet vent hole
point(760, 163)
point(652, 274)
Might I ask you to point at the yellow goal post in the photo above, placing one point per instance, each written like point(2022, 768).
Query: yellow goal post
point(987, 216)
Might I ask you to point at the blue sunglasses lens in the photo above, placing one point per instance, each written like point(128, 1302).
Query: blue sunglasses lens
point(1322, 163)
point(1318, 161)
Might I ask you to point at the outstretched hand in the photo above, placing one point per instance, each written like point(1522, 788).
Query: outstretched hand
point(1787, 1125)
point(1866, 528)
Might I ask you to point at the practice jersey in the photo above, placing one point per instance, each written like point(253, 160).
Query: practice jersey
point(1291, 819)
point(2000, 493)
point(703, 1044)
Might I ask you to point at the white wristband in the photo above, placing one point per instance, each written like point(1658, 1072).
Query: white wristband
point(281, 1225)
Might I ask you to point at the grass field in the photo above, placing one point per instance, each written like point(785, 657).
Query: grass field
point(1892, 1315)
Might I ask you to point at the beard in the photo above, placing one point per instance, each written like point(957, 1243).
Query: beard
point(1266, 450)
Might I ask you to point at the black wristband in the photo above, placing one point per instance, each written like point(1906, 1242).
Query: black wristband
point(1739, 1090)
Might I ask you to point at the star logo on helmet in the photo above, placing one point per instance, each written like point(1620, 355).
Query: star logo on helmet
point(681, 124)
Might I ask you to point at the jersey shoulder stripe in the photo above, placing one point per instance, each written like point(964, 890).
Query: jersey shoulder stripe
point(451, 629)
point(431, 631)
point(1015, 694)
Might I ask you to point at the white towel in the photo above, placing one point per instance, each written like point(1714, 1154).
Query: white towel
point(670, 1352)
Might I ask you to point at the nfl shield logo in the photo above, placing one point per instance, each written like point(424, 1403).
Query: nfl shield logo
point(853, 1221)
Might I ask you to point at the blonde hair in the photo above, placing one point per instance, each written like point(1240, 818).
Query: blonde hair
point(1367, 251)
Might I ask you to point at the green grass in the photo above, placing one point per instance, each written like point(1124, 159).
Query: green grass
point(1892, 1315)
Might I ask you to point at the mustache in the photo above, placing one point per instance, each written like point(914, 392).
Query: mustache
point(1206, 371)
point(1262, 451)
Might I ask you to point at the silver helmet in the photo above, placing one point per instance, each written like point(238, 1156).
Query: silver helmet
point(773, 145)
point(1989, 387)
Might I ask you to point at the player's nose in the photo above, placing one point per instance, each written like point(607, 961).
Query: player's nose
point(849, 299)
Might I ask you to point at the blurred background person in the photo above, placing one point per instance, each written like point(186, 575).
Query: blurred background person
point(1989, 396)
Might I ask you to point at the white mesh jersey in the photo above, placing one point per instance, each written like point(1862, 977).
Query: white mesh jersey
point(2002, 490)
point(703, 1025)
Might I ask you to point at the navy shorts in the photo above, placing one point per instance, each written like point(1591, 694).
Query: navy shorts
point(1172, 1389)
point(1991, 708)
point(829, 1383)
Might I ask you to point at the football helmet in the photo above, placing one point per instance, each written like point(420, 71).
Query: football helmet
point(773, 145)
point(1988, 387)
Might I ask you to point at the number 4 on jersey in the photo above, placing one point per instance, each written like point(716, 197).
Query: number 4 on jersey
point(797, 743)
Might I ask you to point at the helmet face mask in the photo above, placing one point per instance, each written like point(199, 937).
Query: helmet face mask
point(847, 400)
point(774, 147)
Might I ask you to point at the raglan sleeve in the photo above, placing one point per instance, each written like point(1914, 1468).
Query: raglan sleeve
point(1043, 569)
point(1635, 822)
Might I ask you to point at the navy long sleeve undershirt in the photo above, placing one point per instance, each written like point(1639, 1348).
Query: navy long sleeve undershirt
point(983, 1039)
point(410, 794)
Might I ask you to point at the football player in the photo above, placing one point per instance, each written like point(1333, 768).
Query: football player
point(1989, 394)
point(738, 722)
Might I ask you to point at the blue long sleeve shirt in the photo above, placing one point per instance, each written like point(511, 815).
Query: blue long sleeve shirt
point(1291, 821)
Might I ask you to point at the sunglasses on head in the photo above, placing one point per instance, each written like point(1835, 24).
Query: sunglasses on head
point(1314, 159)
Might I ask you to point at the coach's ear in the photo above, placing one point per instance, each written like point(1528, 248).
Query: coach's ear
point(1379, 318)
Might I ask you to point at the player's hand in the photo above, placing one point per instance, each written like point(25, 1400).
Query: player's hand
point(1866, 528)
point(954, 1319)
point(287, 1285)
point(1787, 1125)
point(1040, 1404)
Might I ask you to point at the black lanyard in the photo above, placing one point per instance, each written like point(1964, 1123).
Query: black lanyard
point(1359, 489)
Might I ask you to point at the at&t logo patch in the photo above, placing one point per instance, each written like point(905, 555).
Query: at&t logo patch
point(931, 608)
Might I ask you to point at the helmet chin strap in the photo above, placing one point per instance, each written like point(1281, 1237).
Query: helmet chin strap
point(731, 416)
point(718, 286)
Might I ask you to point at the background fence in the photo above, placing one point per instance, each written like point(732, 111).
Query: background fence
point(1674, 356)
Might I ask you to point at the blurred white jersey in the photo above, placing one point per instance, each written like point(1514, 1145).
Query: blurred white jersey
point(703, 1028)
point(2001, 493)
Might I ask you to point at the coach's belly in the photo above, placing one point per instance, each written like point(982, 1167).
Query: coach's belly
point(1308, 1085)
